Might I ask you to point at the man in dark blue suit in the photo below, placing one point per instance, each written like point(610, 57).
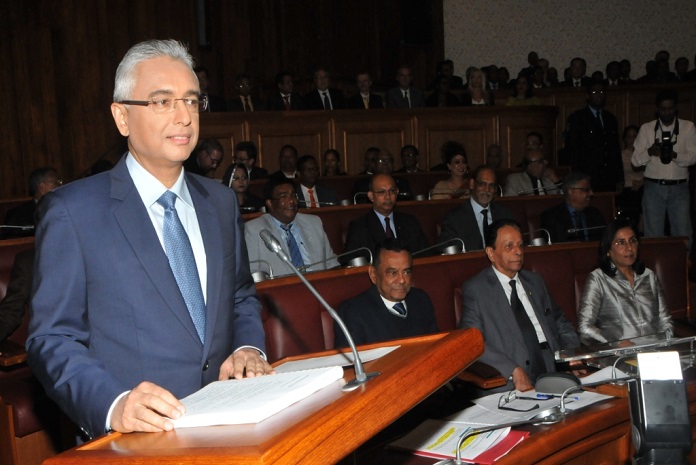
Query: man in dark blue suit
point(113, 339)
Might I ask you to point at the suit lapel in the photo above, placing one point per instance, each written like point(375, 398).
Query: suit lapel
point(374, 227)
point(536, 299)
point(137, 228)
point(472, 227)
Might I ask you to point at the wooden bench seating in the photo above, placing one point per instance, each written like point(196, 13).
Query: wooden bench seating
point(526, 210)
point(296, 323)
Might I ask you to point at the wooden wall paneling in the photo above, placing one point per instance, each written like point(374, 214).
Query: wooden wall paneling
point(357, 130)
point(475, 128)
point(516, 123)
point(228, 129)
point(309, 132)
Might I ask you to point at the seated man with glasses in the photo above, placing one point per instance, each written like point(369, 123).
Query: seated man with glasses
point(521, 324)
point(574, 219)
point(470, 220)
point(534, 179)
point(206, 158)
point(383, 222)
point(301, 236)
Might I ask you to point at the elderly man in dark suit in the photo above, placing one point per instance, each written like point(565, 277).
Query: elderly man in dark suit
point(405, 95)
point(391, 308)
point(323, 97)
point(574, 219)
point(383, 222)
point(521, 324)
point(142, 290)
point(469, 221)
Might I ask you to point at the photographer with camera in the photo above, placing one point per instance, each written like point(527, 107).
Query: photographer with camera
point(666, 147)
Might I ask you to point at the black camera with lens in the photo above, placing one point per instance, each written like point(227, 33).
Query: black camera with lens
point(667, 153)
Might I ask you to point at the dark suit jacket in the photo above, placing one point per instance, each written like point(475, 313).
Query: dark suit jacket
point(256, 173)
point(236, 104)
point(487, 308)
point(313, 100)
point(585, 81)
point(368, 319)
point(450, 101)
point(18, 293)
point(356, 102)
point(595, 149)
point(276, 102)
point(216, 103)
point(325, 194)
point(367, 231)
point(461, 222)
point(557, 221)
point(395, 98)
point(110, 314)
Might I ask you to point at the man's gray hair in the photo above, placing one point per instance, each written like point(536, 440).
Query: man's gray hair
point(125, 78)
point(573, 179)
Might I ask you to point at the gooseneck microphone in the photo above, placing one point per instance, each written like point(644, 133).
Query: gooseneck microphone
point(20, 228)
point(304, 268)
point(361, 377)
point(447, 250)
point(306, 203)
point(577, 230)
point(535, 241)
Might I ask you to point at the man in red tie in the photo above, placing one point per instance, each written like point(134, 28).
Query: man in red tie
point(286, 99)
point(309, 192)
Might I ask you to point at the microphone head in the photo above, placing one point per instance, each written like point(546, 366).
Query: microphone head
point(270, 241)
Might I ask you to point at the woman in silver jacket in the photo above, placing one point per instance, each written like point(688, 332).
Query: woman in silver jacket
point(622, 298)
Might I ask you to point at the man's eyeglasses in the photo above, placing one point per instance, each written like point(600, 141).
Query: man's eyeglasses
point(213, 161)
point(390, 192)
point(623, 243)
point(168, 105)
point(505, 399)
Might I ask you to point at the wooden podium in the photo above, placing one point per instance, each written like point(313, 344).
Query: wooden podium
point(321, 429)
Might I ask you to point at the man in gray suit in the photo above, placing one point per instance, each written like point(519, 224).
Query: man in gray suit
point(405, 95)
point(469, 221)
point(301, 236)
point(521, 324)
point(533, 180)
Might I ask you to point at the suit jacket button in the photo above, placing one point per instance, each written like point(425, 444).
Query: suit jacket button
point(207, 364)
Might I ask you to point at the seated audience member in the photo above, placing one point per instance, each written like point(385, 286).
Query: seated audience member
point(302, 236)
point(625, 72)
point(205, 158)
point(522, 94)
point(365, 98)
point(239, 182)
point(576, 74)
point(446, 68)
point(471, 219)
point(503, 78)
point(613, 70)
point(245, 152)
point(286, 99)
point(323, 97)
point(457, 184)
point(405, 95)
point(383, 164)
point(494, 156)
point(369, 161)
point(245, 101)
point(41, 182)
point(574, 219)
point(521, 324)
point(331, 163)
point(441, 96)
point(533, 61)
point(477, 93)
point(287, 159)
point(18, 293)
point(552, 77)
point(622, 298)
point(409, 160)
point(533, 180)
point(630, 201)
point(492, 76)
point(215, 102)
point(383, 222)
point(681, 69)
point(391, 308)
point(537, 79)
point(310, 193)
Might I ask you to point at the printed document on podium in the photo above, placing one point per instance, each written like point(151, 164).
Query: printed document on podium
point(251, 400)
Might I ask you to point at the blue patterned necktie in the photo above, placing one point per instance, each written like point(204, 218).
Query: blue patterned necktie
point(182, 262)
point(295, 254)
point(400, 309)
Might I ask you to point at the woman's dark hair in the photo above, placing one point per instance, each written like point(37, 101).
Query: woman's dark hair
point(608, 235)
point(451, 149)
point(528, 93)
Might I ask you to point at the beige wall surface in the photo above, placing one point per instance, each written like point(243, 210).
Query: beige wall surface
point(481, 32)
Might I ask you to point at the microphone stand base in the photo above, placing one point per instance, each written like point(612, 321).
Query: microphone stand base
point(351, 385)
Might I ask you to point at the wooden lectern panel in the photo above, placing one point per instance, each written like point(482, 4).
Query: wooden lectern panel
point(321, 429)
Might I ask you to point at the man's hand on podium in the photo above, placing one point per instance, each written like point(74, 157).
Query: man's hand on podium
point(146, 408)
point(521, 380)
point(245, 362)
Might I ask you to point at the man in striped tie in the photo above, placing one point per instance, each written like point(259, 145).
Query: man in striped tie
point(391, 308)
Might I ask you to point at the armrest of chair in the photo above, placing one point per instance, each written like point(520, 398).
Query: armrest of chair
point(483, 376)
point(11, 353)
